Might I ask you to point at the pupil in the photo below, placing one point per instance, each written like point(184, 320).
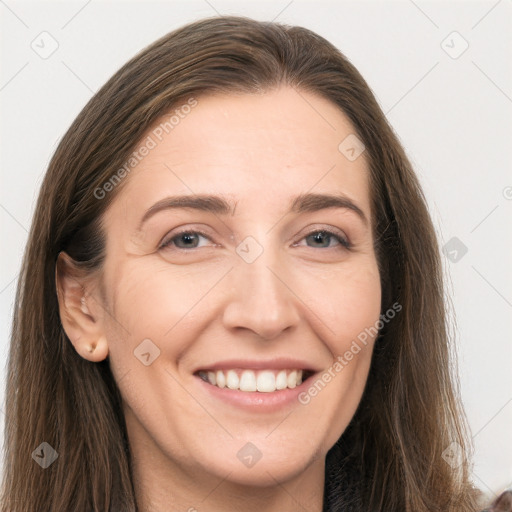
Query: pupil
point(187, 238)
point(320, 237)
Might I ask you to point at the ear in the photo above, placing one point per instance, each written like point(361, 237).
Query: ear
point(80, 313)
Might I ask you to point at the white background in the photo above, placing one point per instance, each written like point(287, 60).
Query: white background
point(453, 115)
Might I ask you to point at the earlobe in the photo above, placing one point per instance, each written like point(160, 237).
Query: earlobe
point(80, 315)
point(97, 351)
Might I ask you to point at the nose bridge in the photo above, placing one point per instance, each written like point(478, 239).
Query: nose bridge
point(260, 278)
point(260, 300)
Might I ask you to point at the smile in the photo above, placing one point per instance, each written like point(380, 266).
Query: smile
point(264, 381)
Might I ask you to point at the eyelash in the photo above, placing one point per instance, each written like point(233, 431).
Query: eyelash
point(342, 240)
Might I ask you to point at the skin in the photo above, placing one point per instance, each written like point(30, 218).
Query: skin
point(199, 305)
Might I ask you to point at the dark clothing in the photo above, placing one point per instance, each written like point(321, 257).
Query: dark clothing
point(502, 504)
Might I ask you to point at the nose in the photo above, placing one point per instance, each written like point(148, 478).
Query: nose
point(261, 300)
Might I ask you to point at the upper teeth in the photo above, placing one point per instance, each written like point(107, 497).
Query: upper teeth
point(264, 381)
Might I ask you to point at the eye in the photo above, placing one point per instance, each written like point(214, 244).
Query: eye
point(320, 239)
point(184, 240)
point(323, 238)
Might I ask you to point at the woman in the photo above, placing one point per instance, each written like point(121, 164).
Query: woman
point(232, 296)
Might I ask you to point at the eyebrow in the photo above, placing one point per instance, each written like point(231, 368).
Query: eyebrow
point(218, 205)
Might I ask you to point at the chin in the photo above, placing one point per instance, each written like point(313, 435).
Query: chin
point(245, 468)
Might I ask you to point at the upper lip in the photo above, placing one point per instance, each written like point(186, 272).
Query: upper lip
point(280, 363)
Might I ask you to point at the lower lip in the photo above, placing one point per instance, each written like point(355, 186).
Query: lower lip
point(256, 401)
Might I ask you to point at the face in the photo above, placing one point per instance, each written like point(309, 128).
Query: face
point(220, 306)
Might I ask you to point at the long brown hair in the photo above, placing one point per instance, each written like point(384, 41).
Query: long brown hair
point(392, 456)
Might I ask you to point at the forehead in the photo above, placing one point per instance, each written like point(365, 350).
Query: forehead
point(259, 149)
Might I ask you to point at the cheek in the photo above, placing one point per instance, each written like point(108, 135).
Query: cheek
point(347, 303)
point(156, 303)
point(348, 306)
point(153, 302)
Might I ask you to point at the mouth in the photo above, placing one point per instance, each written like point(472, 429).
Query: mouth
point(262, 380)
